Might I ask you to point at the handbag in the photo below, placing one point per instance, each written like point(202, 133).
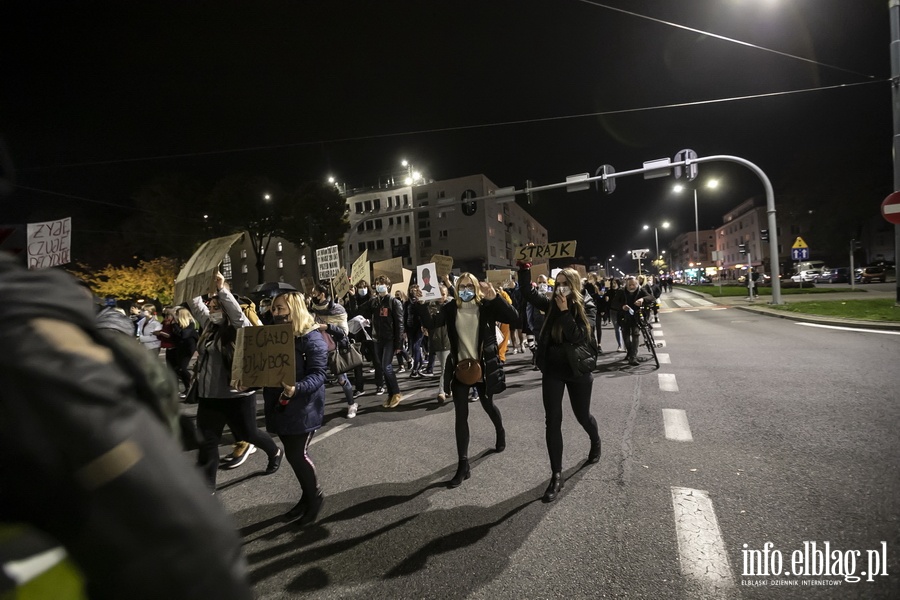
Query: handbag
point(345, 358)
point(583, 357)
point(468, 371)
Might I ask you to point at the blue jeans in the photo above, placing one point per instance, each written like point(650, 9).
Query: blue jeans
point(415, 348)
point(385, 350)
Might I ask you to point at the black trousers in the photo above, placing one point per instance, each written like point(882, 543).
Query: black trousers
point(552, 389)
point(296, 450)
point(460, 392)
point(240, 416)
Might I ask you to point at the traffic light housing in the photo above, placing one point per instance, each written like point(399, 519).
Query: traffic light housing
point(764, 235)
point(468, 206)
point(742, 248)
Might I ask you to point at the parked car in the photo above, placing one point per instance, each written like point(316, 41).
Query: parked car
point(838, 275)
point(870, 274)
point(807, 275)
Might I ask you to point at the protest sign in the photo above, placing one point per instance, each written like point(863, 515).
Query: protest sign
point(49, 243)
point(442, 264)
point(403, 284)
point(498, 276)
point(196, 276)
point(582, 270)
point(328, 262)
point(426, 276)
point(264, 356)
point(341, 284)
point(360, 269)
point(546, 251)
point(392, 268)
point(539, 269)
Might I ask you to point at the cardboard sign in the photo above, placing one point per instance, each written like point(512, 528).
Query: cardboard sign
point(498, 276)
point(264, 356)
point(426, 275)
point(306, 285)
point(538, 270)
point(360, 269)
point(196, 276)
point(546, 251)
point(403, 284)
point(341, 284)
point(582, 270)
point(49, 244)
point(443, 264)
point(328, 261)
point(392, 268)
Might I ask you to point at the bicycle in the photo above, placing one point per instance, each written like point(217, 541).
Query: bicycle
point(647, 334)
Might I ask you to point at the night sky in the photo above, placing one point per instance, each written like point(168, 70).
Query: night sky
point(98, 98)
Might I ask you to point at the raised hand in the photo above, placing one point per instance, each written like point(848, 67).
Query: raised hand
point(487, 290)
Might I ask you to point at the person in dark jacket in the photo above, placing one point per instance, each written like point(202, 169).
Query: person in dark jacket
point(627, 301)
point(413, 328)
point(295, 410)
point(564, 337)
point(184, 334)
point(471, 323)
point(386, 315)
point(89, 463)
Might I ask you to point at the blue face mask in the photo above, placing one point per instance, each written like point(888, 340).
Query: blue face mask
point(466, 295)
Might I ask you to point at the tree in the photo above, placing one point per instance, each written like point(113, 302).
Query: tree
point(149, 279)
point(318, 216)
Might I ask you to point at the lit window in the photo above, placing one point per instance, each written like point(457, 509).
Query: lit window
point(302, 259)
point(280, 247)
point(280, 263)
point(243, 254)
point(243, 268)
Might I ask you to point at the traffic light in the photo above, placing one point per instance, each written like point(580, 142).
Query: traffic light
point(764, 235)
point(857, 245)
point(469, 207)
point(742, 248)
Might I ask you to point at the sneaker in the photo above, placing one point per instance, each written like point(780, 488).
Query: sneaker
point(426, 373)
point(394, 401)
point(620, 349)
point(442, 397)
point(370, 371)
point(380, 391)
point(513, 351)
point(414, 374)
point(275, 462)
point(242, 451)
point(357, 394)
point(182, 395)
point(401, 370)
point(351, 410)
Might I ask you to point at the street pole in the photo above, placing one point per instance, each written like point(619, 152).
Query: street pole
point(656, 236)
point(894, 12)
point(696, 229)
point(852, 270)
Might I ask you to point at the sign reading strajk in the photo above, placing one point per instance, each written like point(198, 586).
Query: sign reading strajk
point(546, 251)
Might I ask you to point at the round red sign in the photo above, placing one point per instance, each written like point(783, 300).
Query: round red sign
point(890, 208)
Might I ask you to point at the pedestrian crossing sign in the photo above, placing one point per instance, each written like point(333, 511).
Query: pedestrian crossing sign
point(799, 243)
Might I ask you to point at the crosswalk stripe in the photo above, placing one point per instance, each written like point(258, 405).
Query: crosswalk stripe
point(702, 302)
point(667, 382)
point(682, 303)
point(701, 549)
point(676, 424)
point(663, 358)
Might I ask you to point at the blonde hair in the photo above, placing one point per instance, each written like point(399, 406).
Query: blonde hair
point(577, 305)
point(184, 317)
point(301, 320)
point(474, 280)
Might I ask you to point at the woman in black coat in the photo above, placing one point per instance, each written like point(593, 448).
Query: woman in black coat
point(471, 322)
point(566, 356)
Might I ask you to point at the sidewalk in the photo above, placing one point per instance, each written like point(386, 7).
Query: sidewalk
point(761, 306)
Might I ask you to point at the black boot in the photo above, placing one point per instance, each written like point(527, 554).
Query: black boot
point(462, 473)
point(594, 454)
point(501, 440)
point(312, 509)
point(556, 484)
point(297, 511)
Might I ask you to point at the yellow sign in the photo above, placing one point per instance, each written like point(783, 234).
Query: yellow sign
point(799, 243)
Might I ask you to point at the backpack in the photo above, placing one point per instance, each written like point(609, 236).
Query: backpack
point(249, 310)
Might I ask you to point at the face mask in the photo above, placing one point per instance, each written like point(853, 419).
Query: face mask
point(543, 288)
point(563, 290)
point(466, 295)
point(321, 303)
point(280, 319)
point(381, 289)
point(216, 317)
point(363, 291)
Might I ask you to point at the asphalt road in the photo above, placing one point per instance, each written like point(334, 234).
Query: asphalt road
point(788, 435)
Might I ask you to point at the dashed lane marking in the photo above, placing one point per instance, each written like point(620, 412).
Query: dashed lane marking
point(849, 328)
point(701, 549)
point(336, 429)
point(667, 382)
point(692, 310)
point(676, 424)
point(720, 308)
point(663, 358)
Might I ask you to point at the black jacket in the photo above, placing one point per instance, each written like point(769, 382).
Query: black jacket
point(558, 359)
point(385, 313)
point(146, 528)
point(490, 312)
point(622, 299)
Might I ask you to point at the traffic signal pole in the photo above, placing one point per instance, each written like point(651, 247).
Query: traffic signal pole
point(894, 13)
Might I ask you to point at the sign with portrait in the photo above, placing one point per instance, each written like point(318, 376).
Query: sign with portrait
point(426, 275)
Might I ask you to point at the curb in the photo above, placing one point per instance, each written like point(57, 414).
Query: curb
point(803, 317)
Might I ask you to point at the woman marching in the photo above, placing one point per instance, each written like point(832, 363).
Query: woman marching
point(566, 356)
point(470, 322)
point(295, 410)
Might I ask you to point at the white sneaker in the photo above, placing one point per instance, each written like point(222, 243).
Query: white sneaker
point(351, 410)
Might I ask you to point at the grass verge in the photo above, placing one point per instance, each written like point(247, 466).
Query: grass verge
point(741, 291)
point(867, 310)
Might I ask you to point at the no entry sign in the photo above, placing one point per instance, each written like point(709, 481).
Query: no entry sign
point(890, 208)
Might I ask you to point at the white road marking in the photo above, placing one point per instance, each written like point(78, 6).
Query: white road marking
point(667, 382)
point(701, 549)
point(657, 332)
point(682, 303)
point(850, 328)
point(702, 302)
point(721, 308)
point(663, 358)
point(692, 310)
point(319, 438)
point(676, 424)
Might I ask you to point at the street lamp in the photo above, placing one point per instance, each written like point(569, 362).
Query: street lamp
point(664, 225)
point(711, 184)
point(609, 265)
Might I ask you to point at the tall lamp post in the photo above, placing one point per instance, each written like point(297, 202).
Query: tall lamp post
point(711, 184)
point(609, 265)
point(664, 225)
